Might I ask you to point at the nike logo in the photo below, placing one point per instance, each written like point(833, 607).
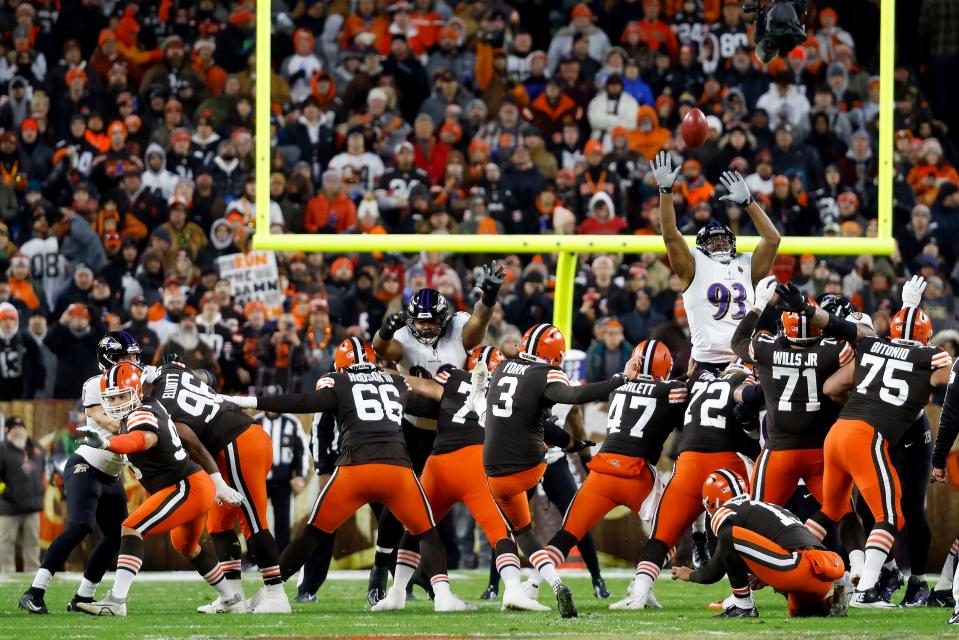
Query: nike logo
point(907, 445)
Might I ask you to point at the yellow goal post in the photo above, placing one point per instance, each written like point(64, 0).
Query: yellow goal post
point(567, 247)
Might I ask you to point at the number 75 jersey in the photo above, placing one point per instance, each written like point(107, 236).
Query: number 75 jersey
point(891, 384)
point(715, 301)
point(641, 416)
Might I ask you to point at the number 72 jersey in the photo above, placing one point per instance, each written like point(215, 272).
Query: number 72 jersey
point(891, 384)
point(641, 416)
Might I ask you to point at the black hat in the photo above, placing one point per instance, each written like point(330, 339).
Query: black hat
point(14, 421)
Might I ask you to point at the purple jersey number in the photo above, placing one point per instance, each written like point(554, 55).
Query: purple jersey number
point(722, 298)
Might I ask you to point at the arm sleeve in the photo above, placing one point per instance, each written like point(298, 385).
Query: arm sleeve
point(422, 407)
point(583, 394)
point(841, 329)
point(743, 335)
point(554, 435)
point(716, 568)
point(322, 400)
point(948, 423)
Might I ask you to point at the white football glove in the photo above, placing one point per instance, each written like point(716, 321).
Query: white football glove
point(663, 171)
point(736, 186)
point(244, 402)
point(912, 291)
point(765, 289)
point(224, 492)
point(150, 373)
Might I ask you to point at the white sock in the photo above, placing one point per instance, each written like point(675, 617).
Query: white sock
point(857, 559)
point(744, 603)
point(646, 574)
point(542, 563)
point(218, 581)
point(508, 566)
point(870, 572)
point(42, 579)
point(535, 578)
point(948, 569)
point(406, 563)
point(699, 524)
point(441, 586)
point(236, 586)
point(127, 568)
point(87, 589)
point(955, 592)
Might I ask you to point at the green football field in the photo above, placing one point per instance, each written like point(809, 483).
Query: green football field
point(166, 609)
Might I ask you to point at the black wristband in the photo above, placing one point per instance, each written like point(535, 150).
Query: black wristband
point(665, 190)
point(842, 329)
point(489, 298)
point(385, 333)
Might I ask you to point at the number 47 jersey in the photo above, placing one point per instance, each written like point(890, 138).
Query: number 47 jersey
point(641, 416)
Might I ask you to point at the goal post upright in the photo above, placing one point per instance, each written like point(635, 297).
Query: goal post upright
point(567, 247)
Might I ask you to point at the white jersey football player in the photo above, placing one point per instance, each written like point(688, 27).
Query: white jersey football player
point(718, 283)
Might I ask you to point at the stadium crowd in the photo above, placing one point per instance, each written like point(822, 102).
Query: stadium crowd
point(126, 168)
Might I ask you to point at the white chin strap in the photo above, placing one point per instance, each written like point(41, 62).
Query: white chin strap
point(722, 256)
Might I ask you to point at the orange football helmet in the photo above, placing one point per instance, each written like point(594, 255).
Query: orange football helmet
point(720, 487)
point(353, 352)
point(741, 365)
point(543, 343)
point(798, 328)
point(121, 388)
point(653, 358)
point(911, 324)
point(492, 356)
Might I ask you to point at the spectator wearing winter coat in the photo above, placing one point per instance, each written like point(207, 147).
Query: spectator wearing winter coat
point(601, 217)
point(73, 340)
point(609, 354)
point(79, 243)
point(448, 91)
point(551, 109)
point(648, 137)
point(156, 176)
point(785, 103)
point(639, 323)
point(531, 305)
point(23, 374)
point(330, 210)
point(184, 233)
point(222, 243)
point(228, 172)
point(612, 108)
point(581, 24)
point(448, 54)
point(22, 468)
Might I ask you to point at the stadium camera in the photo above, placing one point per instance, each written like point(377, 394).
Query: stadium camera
point(780, 26)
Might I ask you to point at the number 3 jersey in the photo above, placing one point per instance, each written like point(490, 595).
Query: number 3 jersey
point(891, 384)
point(799, 414)
point(715, 301)
point(189, 400)
point(515, 410)
point(709, 424)
point(166, 462)
point(641, 416)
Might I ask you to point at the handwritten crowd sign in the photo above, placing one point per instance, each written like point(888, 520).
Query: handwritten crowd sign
point(252, 276)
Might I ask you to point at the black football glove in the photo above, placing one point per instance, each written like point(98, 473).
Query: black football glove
point(392, 324)
point(794, 300)
point(491, 282)
point(579, 445)
point(94, 440)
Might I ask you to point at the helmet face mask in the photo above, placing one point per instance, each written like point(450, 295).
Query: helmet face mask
point(717, 241)
point(427, 315)
point(119, 403)
point(117, 347)
point(120, 390)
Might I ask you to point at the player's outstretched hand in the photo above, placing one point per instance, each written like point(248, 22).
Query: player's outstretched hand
point(579, 445)
point(939, 475)
point(736, 186)
point(94, 440)
point(765, 290)
point(792, 298)
point(912, 291)
point(681, 573)
point(662, 167)
point(224, 492)
point(245, 402)
point(491, 282)
point(392, 324)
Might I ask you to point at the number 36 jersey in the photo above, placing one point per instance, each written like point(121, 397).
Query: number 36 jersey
point(715, 301)
point(709, 425)
point(798, 411)
point(189, 400)
point(891, 384)
point(641, 416)
point(165, 463)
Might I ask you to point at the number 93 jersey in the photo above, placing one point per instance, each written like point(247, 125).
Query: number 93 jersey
point(641, 416)
point(891, 384)
point(189, 400)
point(369, 415)
point(165, 463)
point(798, 411)
point(715, 301)
point(709, 425)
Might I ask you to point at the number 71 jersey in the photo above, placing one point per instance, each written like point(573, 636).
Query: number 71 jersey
point(715, 301)
point(891, 384)
point(641, 416)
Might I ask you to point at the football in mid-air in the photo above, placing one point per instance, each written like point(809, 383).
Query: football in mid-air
point(694, 128)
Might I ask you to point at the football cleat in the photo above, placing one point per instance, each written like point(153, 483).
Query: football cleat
point(448, 603)
point(234, 604)
point(917, 593)
point(870, 599)
point(109, 606)
point(272, 600)
point(303, 597)
point(599, 589)
point(531, 589)
point(376, 589)
point(954, 618)
point(72, 605)
point(652, 602)
point(33, 602)
point(564, 599)
point(631, 602)
point(889, 582)
point(394, 600)
point(700, 550)
point(941, 598)
point(516, 600)
point(735, 611)
point(837, 603)
point(491, 593)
